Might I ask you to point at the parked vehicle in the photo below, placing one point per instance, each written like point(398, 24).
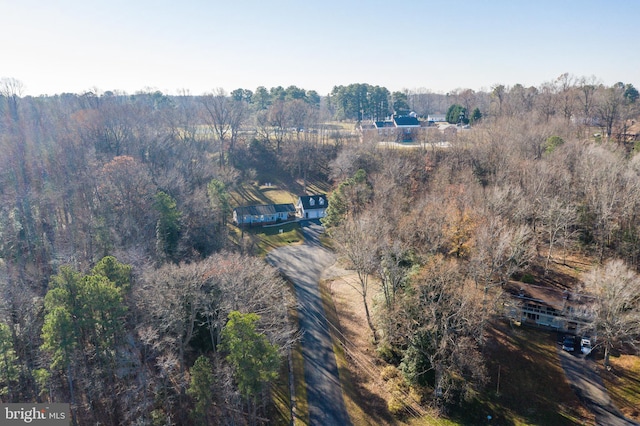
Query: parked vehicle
point(569, 344)
point(586, 344)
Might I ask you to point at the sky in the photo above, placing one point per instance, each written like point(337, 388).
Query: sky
point(73, 46)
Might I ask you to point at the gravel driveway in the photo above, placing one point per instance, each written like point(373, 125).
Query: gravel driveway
point(303, 265)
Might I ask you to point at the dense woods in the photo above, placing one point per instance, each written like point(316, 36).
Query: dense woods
point(123, 294)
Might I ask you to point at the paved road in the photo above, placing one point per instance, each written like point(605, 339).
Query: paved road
point(588, 385)
point(303, 265)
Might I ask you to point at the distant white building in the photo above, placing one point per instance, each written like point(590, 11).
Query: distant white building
point(436, 118)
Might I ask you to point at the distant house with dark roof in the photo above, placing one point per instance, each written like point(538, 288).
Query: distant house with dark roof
point(405, 121)
point(312, 206)
point(400, 128)
point(263, 214)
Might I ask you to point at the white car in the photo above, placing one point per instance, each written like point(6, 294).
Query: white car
point(586, 345)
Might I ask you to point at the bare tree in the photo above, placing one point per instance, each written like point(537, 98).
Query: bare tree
point(602, 184)
point(547, 100)
point(218, 116)
point(587, 87)
point(279, 121)
point(356, 240)
point(439, 327)
point(500, 251)
point(558, 218)
point(566, 84)
point(11, 89)
point(609, 107)
point(616, 307)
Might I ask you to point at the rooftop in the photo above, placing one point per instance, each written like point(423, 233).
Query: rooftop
point(317, 201)
point(265, 209)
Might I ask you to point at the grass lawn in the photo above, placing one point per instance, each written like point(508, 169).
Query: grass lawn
point(532, 387)
point(268, 238)
point(623, 384)
point(260, 240)
point(248, 195)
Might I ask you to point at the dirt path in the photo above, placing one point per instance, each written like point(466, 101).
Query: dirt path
point(587, 383)
point(303, 265)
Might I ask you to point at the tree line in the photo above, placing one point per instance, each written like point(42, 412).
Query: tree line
point(122, 292)
point(119, 279)
point(438, 234)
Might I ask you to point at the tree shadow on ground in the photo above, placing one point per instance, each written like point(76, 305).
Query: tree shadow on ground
point(526, 381)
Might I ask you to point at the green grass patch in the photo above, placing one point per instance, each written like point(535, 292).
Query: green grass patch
point(268, 238)
point(261, 240)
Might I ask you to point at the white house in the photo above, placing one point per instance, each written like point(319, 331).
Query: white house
point(400, 128)
point(263, 214)
point(312, 206)
point(436, 118)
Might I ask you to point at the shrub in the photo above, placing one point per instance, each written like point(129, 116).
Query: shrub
point(527, 279)
point(389, 372)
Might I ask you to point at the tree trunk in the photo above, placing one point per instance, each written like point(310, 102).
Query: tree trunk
point(369, 322)
point(72, 401)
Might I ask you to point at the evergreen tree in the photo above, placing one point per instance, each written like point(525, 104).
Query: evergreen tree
point(8, 362)
point(202, 380)
point(476, 115)
point(457, 114)
point(253, 357)
point(168, 225)
point(349, 198)
point(118, 273)
point(219, 199)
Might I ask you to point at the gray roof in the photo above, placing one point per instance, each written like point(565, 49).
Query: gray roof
point(265, 209)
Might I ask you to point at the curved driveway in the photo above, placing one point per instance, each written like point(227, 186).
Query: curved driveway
point(303, 265)
point(588, 385)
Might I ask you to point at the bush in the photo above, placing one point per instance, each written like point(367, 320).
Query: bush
point(397, 403)
point(389, 372)
point(388, 353)
point(527, 279)
point(396, 406)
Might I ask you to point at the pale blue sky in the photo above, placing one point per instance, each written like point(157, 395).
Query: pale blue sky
point(76, 45)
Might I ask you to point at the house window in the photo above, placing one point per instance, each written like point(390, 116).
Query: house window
point(321, 201)
point(312, 201)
